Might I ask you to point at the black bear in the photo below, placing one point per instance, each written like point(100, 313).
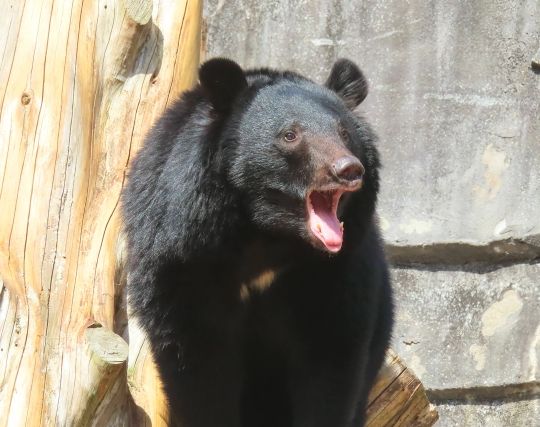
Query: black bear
point(255, 266)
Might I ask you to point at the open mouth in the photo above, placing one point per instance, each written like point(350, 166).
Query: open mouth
point(322, 218)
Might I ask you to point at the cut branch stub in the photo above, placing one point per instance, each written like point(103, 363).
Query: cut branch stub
point(398, 398)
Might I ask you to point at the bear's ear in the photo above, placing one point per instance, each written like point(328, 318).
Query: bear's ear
point(348, 82)
point(222, 81)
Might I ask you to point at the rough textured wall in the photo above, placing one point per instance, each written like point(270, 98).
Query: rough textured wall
point(456, 104)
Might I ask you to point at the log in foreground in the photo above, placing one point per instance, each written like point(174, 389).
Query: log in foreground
point(398, 398)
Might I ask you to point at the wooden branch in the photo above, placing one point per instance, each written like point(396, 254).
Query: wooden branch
point(107, 355)
point(398, 398)
point(82, 81)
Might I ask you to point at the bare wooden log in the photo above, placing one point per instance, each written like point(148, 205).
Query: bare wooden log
point(398, 398)
point(105, 372)
point(81, 83)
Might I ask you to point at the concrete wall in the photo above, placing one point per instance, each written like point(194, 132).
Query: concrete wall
point(456, 103)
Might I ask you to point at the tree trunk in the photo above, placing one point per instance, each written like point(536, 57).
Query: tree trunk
point(81, 82)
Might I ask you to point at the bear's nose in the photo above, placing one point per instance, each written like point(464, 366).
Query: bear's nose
point(348, 168)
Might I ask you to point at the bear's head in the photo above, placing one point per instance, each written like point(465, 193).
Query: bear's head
point(303, 163)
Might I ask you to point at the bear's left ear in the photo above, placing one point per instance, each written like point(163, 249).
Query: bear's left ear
point(222, 81)
point(348, 82)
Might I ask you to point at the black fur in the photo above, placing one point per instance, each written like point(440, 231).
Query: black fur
point(216, 197)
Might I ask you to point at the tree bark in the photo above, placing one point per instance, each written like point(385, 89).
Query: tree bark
point(81, 82)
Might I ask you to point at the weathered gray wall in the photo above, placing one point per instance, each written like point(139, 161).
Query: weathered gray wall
point(456, 104)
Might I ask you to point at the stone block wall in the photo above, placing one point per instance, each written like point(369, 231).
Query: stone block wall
point(455, 99)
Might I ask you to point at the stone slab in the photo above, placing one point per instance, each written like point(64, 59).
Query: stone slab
point(453, 97)
point(470, 330)
point(524, 413)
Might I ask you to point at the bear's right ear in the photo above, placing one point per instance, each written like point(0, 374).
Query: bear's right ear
point(348, 82)
point(222, 81)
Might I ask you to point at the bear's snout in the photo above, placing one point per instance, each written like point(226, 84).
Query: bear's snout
point(349, 169)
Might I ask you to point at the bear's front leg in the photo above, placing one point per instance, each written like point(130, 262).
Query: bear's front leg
point(198, 350)
point(201, 393)
point(325, 395)
point(332, 325)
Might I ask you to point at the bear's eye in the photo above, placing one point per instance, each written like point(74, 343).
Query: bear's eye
point(344, 134)
point(290, 136)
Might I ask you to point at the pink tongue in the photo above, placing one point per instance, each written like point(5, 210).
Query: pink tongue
point(324, 223)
